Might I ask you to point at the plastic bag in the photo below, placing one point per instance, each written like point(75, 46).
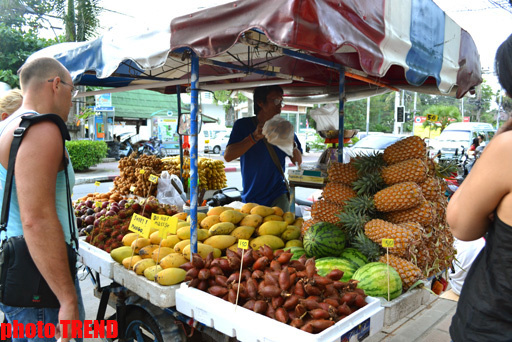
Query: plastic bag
point(326, 117)
point(279, 132)
point(166, 193)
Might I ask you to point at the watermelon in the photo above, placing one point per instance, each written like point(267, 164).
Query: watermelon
point(326, 265)
point(373, 279)
point(324, 239)
point(297, 252)
point(352, 254)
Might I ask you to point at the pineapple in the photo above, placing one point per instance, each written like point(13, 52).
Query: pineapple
point(326, 211)
point(423, 214)
point(338, 192)
point(369, 184)
point(362, 205)
point(307, 224)
point(368, 163)
point(353, 222)
point(378, 229)
point(399, 196)
point(342, 173)
point(409, 273)
point(416, 229)
point(370, 249)
point(412, 170)
point(431, 188)
point(408, 148)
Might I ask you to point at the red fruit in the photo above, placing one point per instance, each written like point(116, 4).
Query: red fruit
point(88, 239)
point(136, 206)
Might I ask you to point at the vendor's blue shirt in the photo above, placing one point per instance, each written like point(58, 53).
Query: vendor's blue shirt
point(262, 181)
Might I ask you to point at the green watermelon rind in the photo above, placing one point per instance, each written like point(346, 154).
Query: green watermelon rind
point(355, 256)
point(324, 239)
point(297, 252)
point(373, 279)
point(327, 264)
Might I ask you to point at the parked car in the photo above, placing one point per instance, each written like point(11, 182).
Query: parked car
point(217, 144)
point(374, 143)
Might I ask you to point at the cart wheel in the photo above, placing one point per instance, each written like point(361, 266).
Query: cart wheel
point(141, 327)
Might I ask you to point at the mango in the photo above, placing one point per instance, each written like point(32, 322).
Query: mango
point(272, 228)
point(173, 260)
point(246, 208)
point(217, 253)
point(234, 247)
point(128, 262)
point(140, 243)
point(232, 216)
point(202, 249)
point(182, 224)
point(151, 272)
point(184, 233)
point(291, 233)
point(170, 241)
point(220, 241)
point(289, 217)
point(160, 253)
point(252, 220)
point(272, 218)
point(140, 266)
point(217, 210)
point(272, 241)
point(209, 221)
point(170, 276)
point(243, 232)
point(299, 221)
point(294, 243)
point(155, 239)
point(180, 245)
point(120, 253)
point(200, 217)
point(129, 238)
point(145, 252)
point(222, 228)
point(262, 210)
point(278, 211)
point(180, 216)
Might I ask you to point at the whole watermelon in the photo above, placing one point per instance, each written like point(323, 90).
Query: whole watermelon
point(352, 254)
point(324, 239)
point(373, 279)
point(327, 264)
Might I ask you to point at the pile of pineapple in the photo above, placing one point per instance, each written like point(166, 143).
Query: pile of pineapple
point(392, 195)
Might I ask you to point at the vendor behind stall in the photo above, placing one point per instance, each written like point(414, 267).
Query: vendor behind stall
point(263, 182)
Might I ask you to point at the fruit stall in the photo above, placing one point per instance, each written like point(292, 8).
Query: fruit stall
point(318, 51)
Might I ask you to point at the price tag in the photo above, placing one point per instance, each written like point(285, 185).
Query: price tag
point(388, 243)
point(132, 188)
point(243, 244)
point(97, 183)
point(140, 225)
point(432, 117)
point(98, 204)
point(142, 171)
point(165, 224)
point(153, 179)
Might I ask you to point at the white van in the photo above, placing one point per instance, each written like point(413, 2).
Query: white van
point(460, 135)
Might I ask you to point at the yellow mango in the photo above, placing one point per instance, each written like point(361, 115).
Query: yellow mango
point(140, 266)
point(272, 228)
point(200, 217)
point(209, 221)
point(184, 233)
point(220, 241)
point(299, 221)
point(180, 216)
point(152, 230)
point(272, 218)
point(140, 243)
point(231, 216)
point(128, 262)
point(180, 245)
point(217, 252)
point(246, 208)
point(170, 276)
point(291, 233)
point(170, 241)
point(272, 241)
point(243, 232)
point(202, 249)
point(252, 220)
point(262, 210)
point(151, 272)
point(217, 210)
point(155, 239)
point(145, 252)
point(294, 243)
point(222, 228)
point(278, 211)
point(182, 224)
point(289, 217)
point(234, 247)
point(160, 253)
point(173, 260)
point(129, 238)
point(118, 254)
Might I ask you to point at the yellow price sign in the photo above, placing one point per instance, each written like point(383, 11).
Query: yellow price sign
point(98, 204)
point(97, 183)
point(142, 171)
point(140, 225)
point(388, 243)
point(164, 224)
point(153, 179)
point(243, 244)
point(432, 117)
point(132, 188)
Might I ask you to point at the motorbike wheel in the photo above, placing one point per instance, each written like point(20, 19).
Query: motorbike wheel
point(216, 149)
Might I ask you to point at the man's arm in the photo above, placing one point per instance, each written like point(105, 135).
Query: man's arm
point(38, 162)
point(236, 150)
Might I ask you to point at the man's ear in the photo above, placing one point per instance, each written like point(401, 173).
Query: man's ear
point(4, 116)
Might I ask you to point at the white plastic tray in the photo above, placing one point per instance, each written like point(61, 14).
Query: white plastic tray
point(156, 294)
point(96, 259)
point(252, 327)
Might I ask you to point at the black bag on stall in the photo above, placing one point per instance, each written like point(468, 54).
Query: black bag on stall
point(21, 283)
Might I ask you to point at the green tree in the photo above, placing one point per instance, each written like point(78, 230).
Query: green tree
point(228, 99)
point(445, 114)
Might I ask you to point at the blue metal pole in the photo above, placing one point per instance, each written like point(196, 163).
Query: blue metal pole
point(194, 107)
point(341, 114)
point(180, 138)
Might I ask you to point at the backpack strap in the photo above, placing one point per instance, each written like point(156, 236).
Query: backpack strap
point(19, 133)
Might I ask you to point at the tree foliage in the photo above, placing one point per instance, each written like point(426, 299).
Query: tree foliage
point(445, 114)
point(228, 99)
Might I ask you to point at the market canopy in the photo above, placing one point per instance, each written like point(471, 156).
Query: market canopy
point(381, 45)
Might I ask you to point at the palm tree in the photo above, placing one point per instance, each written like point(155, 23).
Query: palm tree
point(445, 114)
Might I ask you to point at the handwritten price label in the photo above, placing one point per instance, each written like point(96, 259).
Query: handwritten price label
point(388, 243)
point(165, 224)
point(97, 183)
point(153, 179)
point(98, 204)
point(432, 117)
point(243, 244)
point(140, 225)
point(132, 188)
point(142, 171)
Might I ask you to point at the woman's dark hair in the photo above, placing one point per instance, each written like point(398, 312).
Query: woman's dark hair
point(476, 142)
point(503, 65)
point(260, 95)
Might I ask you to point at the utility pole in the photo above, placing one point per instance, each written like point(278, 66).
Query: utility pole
point(367, 115)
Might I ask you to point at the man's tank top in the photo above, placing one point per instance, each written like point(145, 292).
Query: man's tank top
point(484, 310)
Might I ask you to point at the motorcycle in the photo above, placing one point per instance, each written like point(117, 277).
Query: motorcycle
point(126, 147)
point(152, 147)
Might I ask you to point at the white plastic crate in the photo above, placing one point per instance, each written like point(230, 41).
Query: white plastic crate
point(96, 259)
point(249, 326)
point(156, 294)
